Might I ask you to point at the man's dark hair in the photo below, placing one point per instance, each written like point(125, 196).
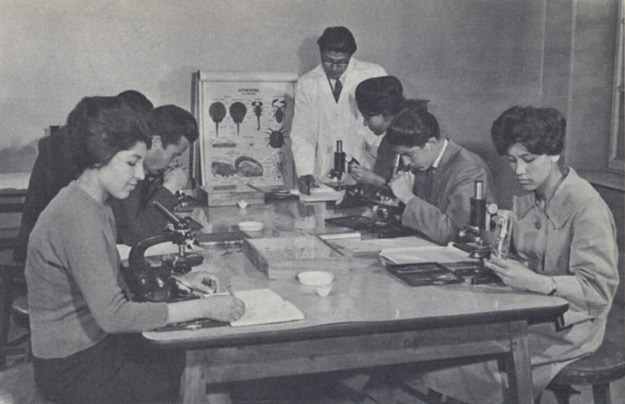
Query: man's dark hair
point(380, 96)
point(337, 39)
point(137, 101)
point(412, 127)
point(539, 130)
point(171, 123)
point(100, 127)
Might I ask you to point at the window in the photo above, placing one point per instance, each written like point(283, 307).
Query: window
point(617, 136)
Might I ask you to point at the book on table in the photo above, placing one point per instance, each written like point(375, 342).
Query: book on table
point(264, 306)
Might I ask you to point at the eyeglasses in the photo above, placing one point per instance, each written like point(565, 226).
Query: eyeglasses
point(338, 63)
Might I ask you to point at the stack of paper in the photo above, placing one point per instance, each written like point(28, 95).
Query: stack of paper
point(440, 254)
point(263, 306)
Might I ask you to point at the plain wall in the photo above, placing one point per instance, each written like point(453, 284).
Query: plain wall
point(471, 58)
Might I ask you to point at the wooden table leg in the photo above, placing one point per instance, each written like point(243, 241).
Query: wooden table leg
point(518, 367)
point(193, 384)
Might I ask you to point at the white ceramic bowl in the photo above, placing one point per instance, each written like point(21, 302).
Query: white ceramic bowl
point(315, 278)
point(251, 226)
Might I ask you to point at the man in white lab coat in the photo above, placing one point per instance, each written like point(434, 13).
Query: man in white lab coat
point(326, 110)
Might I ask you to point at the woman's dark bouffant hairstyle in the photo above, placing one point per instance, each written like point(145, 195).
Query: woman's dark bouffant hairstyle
point(412, 127)
point(137, 101)
point(100, 127)
point(170, 123)
point(380, 96)
point(337, 39)
point(539, 130)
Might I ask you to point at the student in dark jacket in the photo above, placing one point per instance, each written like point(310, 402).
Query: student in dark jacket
point(173, 129)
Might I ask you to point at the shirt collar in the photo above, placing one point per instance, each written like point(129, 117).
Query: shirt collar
point(562, 204)
point(440, 155)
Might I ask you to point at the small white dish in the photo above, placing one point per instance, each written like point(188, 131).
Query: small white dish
point(251, 226)
point(324, 291)
point(242, 204)
point(315, 278)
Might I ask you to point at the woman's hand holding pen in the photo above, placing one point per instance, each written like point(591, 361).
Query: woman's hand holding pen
point(401, 185)
point(224, 307)
point(518, 275)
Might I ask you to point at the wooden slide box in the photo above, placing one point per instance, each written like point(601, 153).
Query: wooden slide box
point(230, 195)
point(284, 257)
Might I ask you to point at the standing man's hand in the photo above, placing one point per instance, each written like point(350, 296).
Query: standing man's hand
point(365, 176)
point(305, 183)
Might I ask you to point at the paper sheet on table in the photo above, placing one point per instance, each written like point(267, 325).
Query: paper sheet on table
point(155, 250)
point(14, 180)
point(264, 306)
point(439, 254)
point(378, 244)
point(319, 194)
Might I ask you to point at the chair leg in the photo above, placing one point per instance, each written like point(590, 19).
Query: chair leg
point(538, 398)
point(601, 393)
point(563, 393)
point(6, 298)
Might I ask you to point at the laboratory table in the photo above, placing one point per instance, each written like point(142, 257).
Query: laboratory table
point(369, 319)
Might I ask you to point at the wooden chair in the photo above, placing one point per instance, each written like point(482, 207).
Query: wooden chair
point(11, 281)
point(605, 365)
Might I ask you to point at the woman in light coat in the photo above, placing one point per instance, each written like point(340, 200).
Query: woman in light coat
point(564, 244)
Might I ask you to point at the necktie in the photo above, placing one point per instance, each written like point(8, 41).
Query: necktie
point(427, 185)
point(337, 90)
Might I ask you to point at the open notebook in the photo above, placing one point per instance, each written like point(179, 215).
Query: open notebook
point(264, 306)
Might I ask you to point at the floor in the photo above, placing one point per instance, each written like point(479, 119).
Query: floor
point(17, 386)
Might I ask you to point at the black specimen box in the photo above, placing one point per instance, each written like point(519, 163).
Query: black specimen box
point(424, 274)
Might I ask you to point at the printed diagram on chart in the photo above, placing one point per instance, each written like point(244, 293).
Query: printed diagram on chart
point(247, 135)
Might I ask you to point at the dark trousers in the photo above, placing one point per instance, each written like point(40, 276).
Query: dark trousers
point(119, 369)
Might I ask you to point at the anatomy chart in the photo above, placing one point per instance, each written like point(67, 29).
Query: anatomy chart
point(245, 121)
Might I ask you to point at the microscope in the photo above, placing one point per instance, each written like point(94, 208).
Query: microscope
point(385, 205)
point(340, 167)
point(472, 238)
point(155, 283)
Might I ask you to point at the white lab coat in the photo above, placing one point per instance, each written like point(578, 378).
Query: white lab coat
point(319, 121)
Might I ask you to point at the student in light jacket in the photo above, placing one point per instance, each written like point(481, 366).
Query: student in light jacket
point(325, 113)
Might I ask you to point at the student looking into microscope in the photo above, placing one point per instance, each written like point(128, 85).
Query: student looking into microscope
point(441, 180)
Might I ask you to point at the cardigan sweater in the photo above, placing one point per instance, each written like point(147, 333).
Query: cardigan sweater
point(76, 293)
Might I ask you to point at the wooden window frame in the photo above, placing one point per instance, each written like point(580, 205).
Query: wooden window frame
point(616, 162)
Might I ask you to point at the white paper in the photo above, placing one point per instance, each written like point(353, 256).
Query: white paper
point(319, 194)
point(263, 306)
point(379, 244)
point(413, 255)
